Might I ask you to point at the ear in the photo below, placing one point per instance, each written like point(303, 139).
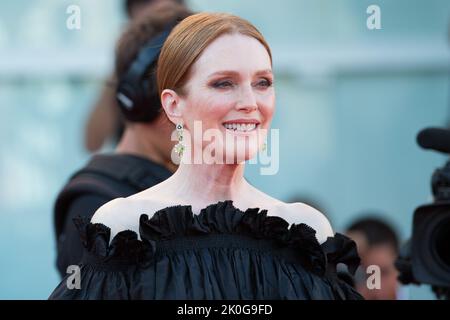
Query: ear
point(172, 105)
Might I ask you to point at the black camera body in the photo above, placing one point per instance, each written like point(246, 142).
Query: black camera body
point(425, 258)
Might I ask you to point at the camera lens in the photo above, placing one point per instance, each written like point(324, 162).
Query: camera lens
point(442, 242)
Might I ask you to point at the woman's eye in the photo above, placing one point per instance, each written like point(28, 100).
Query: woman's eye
point(222, 84)
point(264, 83)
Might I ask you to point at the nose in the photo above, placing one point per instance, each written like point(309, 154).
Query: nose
point(247, 99)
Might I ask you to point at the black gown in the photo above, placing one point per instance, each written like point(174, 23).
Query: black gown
point(220, 253)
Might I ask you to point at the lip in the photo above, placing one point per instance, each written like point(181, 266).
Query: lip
point(240, 121)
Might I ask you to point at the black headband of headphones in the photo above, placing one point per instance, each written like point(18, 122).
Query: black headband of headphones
point(134, 91)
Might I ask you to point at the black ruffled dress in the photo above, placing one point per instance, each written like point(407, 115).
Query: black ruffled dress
point(221, 253)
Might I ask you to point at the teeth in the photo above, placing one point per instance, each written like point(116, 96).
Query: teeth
point(240, 126)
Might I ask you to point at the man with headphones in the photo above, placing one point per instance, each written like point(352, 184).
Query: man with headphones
point(142, 157)
point(105, 123)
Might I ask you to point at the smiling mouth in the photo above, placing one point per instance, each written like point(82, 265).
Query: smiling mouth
point(241, 127)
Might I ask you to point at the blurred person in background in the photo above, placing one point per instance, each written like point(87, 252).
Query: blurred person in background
point(142, 157)
point(378, 245)
point(105, 121)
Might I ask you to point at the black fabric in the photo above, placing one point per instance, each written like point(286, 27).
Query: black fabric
point(104, 178)
point(220, 253)
point(70, 248)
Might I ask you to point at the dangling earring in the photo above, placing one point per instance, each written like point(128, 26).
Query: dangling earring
point(179, 147)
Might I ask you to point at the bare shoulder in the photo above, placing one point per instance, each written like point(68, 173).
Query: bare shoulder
point(302, 213)
point(115, 214)
point(121, 214)
point(296, 213)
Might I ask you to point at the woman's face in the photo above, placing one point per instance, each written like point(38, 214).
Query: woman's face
point(230, 91)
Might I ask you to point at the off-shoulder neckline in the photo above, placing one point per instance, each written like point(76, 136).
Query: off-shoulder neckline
point(217, 218)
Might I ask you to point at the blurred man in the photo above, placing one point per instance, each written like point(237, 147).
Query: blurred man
point(377, 245)
point(105, 121)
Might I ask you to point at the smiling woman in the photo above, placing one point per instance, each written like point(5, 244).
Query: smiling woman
point(221, 69)
point(201, 233)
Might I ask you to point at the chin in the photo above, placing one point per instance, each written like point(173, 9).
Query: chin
point(240, 155)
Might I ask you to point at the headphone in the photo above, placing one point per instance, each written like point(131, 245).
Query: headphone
point(137, 92)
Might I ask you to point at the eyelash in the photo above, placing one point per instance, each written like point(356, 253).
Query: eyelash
point(222, 84)
point(267, 81)
point(226, 84)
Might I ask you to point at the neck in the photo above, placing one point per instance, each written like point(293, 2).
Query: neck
point(208, 183)
point(145, 141)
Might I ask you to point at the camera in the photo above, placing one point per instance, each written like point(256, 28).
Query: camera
point(425, 257)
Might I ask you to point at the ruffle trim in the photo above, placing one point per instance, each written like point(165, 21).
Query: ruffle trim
point(220, 218)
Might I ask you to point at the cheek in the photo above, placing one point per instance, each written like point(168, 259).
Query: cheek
point(267, 107)
point(211, 108)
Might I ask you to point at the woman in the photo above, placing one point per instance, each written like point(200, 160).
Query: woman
point(200, 234)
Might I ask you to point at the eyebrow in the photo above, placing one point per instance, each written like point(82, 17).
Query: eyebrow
point(235, 73)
